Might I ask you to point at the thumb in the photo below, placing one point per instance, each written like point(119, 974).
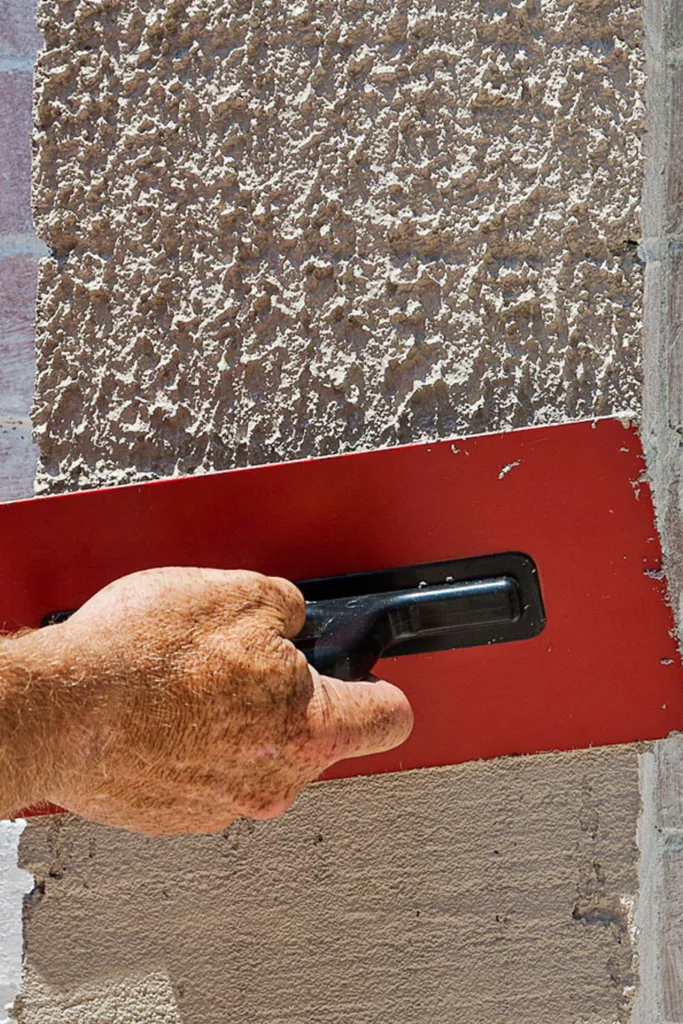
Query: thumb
point(354, 719)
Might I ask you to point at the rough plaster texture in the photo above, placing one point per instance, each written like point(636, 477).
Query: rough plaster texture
point(284, 230)
point(483, 894)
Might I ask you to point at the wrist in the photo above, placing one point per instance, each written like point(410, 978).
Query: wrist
point(31, 718)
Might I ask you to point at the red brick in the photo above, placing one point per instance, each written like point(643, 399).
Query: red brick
point(19, 36)
point(15, 151)
point(17, 349)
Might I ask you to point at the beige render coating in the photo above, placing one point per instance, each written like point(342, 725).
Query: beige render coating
point(284, 232)
point(493, 893)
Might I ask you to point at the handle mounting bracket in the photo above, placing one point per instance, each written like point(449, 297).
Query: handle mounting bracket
point(353, 620)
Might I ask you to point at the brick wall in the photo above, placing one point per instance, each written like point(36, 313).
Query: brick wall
point(19, 253)
point(19, 247)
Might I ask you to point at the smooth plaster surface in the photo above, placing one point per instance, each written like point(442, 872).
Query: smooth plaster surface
point(291, 229)
point(491, 893)
point(284, 230)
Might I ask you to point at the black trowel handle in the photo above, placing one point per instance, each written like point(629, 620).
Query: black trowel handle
point(353, 620)
point(344, 637)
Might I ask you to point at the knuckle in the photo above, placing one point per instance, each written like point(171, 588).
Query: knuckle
point(241, 589)
point(269, 592)
point(288, 600)
point(252, 582)
point(289, 594)
point(273, 656)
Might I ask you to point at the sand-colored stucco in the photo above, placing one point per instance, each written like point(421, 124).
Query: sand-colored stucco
point(494, 893)
point(292, 229)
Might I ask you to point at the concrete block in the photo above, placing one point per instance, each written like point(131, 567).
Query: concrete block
point(17, 345)
point(671, 936)
point(654, 416)
point(15, 151)
point(673, 327)
point(19, 36)
point(17, 458)
point(673, 22)
point(15, 884)
point(654, 20)
point(668, 784)
point(655, 150)
point(674, 164)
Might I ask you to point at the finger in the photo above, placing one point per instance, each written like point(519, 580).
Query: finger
point(355, 719)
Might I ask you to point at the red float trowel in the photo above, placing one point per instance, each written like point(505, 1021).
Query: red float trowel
point(510, 583)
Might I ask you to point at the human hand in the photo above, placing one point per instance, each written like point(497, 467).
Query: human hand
point(174, 701)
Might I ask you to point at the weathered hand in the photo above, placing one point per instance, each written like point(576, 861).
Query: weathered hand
point(177, 703)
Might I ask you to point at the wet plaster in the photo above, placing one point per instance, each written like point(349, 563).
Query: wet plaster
point(491, 893)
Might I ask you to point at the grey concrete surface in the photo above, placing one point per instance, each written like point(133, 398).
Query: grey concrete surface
point(284, 230)
point(491, 893)
point(19, 249)
point(660, 918)
point(662, 249)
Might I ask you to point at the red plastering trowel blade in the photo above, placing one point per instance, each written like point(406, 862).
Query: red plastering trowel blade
point(605, 669)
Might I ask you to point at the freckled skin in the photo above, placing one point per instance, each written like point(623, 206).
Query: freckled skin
point(174, 701)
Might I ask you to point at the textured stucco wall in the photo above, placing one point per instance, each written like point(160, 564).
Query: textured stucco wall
point(278, 232)
point(282, 230)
